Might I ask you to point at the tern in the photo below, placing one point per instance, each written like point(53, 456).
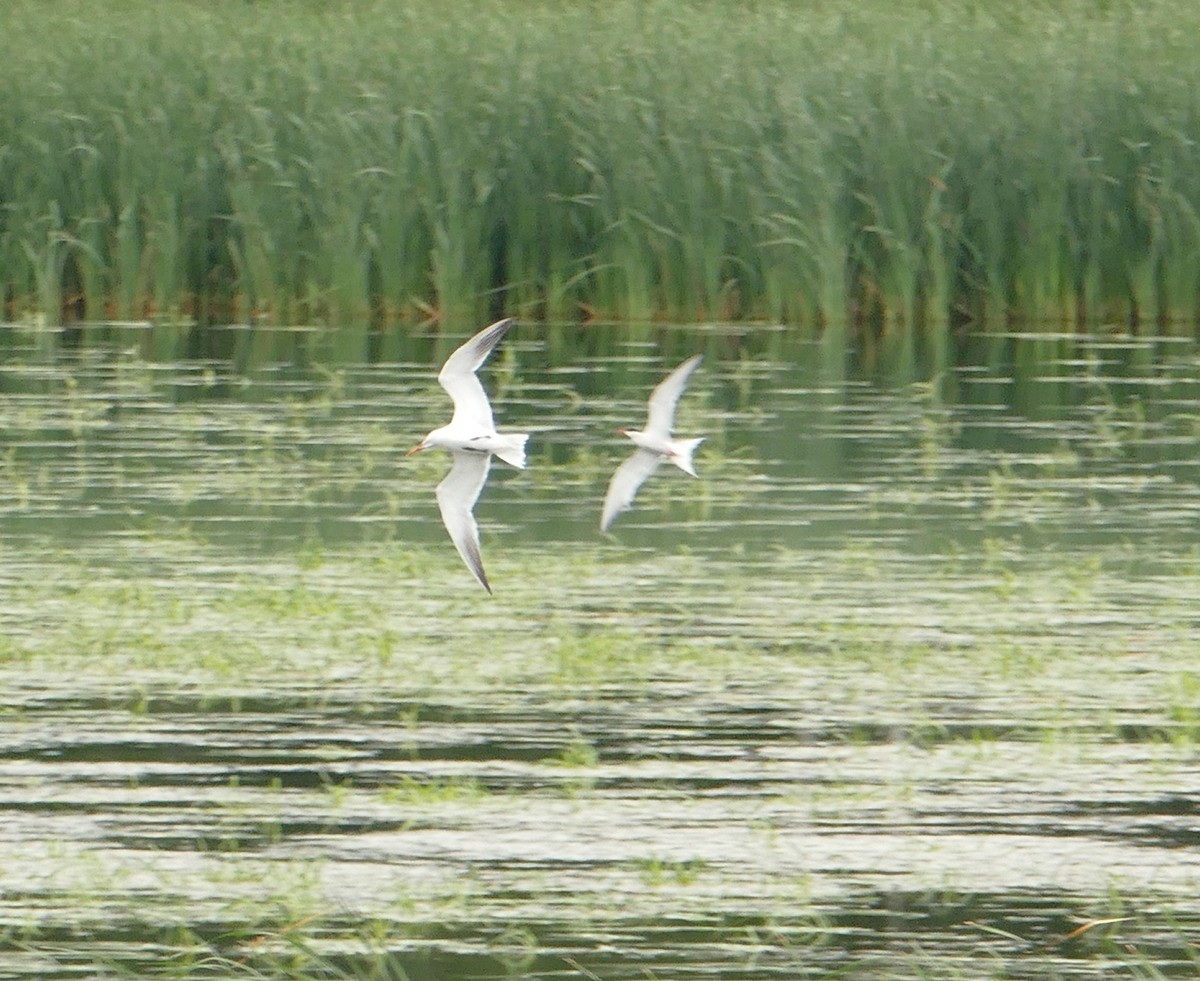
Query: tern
point(472, 439)
point(654, 444)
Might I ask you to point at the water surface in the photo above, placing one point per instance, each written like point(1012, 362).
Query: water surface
point(907, 684)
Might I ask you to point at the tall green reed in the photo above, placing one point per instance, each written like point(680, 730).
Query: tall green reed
point(877, 170)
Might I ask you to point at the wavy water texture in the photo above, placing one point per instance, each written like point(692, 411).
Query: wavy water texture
point(905, 685)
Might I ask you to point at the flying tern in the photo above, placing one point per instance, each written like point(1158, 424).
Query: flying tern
point(654, 444)
point(472, 440)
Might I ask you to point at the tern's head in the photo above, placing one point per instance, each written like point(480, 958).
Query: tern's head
point(433, 440)
point(428, 443)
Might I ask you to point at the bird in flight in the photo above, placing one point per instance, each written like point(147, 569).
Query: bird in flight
point(654, 444)
point(472, 440)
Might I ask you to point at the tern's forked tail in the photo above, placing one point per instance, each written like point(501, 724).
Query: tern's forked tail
point(510, 447)
point(682, 454)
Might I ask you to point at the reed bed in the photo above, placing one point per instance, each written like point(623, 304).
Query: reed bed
point(892, 169)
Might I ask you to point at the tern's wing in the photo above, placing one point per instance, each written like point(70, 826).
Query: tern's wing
point(623, 487)
point(471, 406)
point(665, 396)
point(456, 497)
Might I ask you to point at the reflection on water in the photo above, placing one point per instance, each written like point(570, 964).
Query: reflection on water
point(906, 685)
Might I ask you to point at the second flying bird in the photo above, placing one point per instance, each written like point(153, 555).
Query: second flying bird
point(654, 444)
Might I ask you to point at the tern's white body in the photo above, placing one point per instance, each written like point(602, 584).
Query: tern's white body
point(472, 438)
point(654, 444)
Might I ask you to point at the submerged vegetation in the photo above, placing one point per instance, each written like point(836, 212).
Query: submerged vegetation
point(905, 687)
point(294, 806)
point(897, 169)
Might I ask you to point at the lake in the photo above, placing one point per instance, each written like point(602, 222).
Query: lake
point(907, 684)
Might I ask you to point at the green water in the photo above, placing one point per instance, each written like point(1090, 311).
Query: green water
point(907, 684)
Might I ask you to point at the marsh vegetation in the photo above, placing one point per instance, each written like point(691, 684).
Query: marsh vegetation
point(891, 169)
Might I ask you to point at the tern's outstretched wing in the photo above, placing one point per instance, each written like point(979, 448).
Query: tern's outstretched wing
point(623, 487)
point(665, 397)
point(471, 406)
point(456, 497)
